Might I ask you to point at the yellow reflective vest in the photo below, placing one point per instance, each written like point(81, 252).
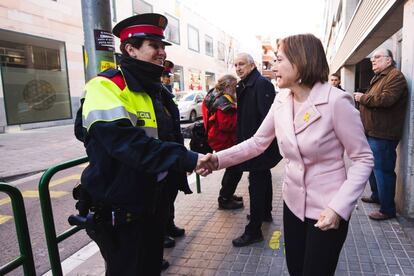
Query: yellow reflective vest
point(105, 101)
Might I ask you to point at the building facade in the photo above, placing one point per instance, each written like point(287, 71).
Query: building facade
point(42, 59)
point(353, 30)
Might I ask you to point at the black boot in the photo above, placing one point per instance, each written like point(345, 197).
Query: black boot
point(165, 264)
point(168, 242)
point(229, 204)
point(247, 239)
point(237, 198)
point(175, 231)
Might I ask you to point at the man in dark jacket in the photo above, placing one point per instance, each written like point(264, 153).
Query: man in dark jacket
point(383, 109)
point(255, 95)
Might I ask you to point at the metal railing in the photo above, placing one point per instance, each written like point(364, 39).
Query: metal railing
point(198, 184)
point(26, 255)
point(52, 239)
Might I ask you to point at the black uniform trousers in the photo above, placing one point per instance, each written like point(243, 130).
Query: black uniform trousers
point(309, 250)
point(172, 191)
point(134, 248)
point(261, 195)
point(231, 178)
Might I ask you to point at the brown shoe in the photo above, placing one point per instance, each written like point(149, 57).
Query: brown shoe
point(380, 216)
point(368, 199)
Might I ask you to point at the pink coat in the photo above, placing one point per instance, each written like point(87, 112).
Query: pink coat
point(313, 145)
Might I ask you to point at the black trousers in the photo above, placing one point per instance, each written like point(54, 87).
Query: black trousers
point(134, 248)
point(231, 178)
point(261, 195)
point(309, 250)
point(172, 191)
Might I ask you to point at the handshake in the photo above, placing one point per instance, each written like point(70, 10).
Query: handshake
point(206, 164)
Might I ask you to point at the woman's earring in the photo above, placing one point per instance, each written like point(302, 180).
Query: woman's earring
point(300, 81)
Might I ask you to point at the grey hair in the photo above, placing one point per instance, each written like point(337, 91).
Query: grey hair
point(248, 58)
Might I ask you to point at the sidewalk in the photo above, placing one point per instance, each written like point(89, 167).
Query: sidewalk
point(35, 150)
point(372, 248)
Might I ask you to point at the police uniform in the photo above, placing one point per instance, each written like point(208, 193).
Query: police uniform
point(167, 73)
point(135, 148)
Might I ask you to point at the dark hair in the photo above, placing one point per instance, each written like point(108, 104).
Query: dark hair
point(136, 42)
point(336, 75)
point(389, 53)
point(306, 52)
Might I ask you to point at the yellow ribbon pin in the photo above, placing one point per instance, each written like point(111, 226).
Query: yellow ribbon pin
point(306, 116)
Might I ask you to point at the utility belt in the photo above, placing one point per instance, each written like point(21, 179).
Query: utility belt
point(91, 215)
point(98, 215)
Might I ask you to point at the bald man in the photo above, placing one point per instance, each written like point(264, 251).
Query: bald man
point(255, 95)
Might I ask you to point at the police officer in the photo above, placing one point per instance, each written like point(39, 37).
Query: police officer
point(172, 231)
point(134, 144)
point(167, 75)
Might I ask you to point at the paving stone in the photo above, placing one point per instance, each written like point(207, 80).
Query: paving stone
point(381, 268)
point(262, 269)
point(394, 269)
point(408, 270)
point(365, 258)
point(354, 267)
point(405, 262)
point(390, 261)
point(225, 265)
point(237, 266)
point(367, 267)
point(250, 267)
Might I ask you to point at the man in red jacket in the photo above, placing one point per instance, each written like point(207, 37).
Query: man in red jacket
point(220, 121)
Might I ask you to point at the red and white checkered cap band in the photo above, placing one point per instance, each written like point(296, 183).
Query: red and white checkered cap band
point(145, 29)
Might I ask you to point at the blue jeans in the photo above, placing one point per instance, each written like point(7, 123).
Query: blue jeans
point(383, 177)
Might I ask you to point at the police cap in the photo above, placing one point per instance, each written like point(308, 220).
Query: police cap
point(168, 67)
point(147, 26)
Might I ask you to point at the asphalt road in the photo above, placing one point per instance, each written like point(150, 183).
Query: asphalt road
point(62, 205)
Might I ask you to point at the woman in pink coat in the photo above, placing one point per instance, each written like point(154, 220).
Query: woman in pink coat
point(314, 124)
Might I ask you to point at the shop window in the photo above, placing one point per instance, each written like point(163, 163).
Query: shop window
point(209, 46)
point(193, 39)
point(178, 79)
point(140, 7)
point(210, 80)
point(172, 32)
point(35, 80)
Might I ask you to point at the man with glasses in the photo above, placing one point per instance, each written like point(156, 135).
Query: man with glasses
point(382, 110)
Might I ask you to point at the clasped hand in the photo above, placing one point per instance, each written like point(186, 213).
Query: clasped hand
point(206, 164)
point(328, 219)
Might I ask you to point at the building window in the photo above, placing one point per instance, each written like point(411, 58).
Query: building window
point(209, 46)
point(178, 80)
point(195, 79)
point(172, 32)
point(193, 40)
point(210, 80)
point(35, 80)
point(220, 51)
point(139, 7)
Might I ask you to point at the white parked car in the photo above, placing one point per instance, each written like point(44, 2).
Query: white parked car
point(189, 105)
